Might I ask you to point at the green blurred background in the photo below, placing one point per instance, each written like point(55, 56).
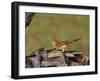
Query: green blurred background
point(46, 26)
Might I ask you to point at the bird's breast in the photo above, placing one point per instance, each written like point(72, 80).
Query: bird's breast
point(63, 46)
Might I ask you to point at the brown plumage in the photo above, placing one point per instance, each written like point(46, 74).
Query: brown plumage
point(62, 44)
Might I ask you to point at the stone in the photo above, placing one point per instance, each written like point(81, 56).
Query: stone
point(44, 58)
point(54, 61)
point(55, 54)
point(72, 63)
point(69, 55)
point(85, 60)
point(28, 64)
point(44, 54)
point(36, 57)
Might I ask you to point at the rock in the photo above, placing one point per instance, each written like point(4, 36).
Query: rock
point(54, 61)
point(36, 57)
point(69, 55)
point(42, 58)
point(77, 53)
point(48, 63)
point(35, 61)
point(72, 63)
point(44, 54)
point(28, 64)
point(61, 61)
point(55, 54)
point(85, 60)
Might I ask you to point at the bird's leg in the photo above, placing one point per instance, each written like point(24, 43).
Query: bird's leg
point(63, 50)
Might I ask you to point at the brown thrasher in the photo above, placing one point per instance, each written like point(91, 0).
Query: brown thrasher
point(62, 44)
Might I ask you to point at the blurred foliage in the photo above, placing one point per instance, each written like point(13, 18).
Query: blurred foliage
point(45, 27)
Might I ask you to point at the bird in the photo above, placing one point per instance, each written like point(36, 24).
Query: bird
point(62, 45)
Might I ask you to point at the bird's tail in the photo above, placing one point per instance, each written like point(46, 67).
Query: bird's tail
point(75, 40)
